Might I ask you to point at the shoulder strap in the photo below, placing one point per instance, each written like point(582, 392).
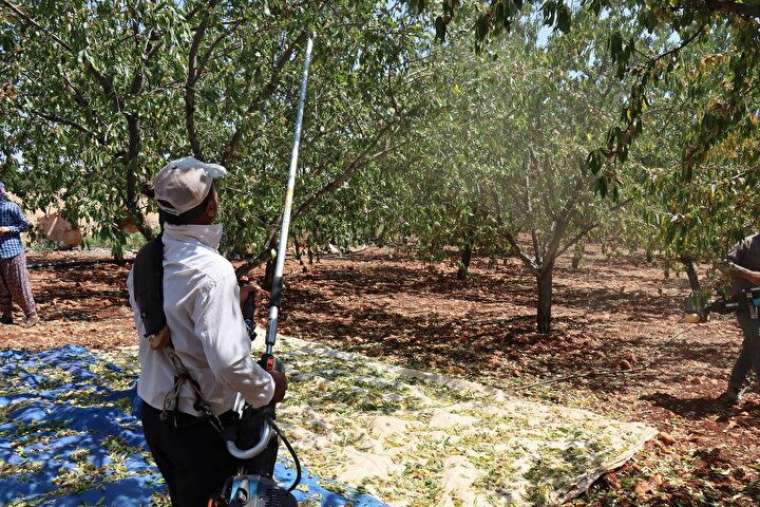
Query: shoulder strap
point(148, 285)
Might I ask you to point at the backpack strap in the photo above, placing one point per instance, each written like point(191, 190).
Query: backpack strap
point(148, 286)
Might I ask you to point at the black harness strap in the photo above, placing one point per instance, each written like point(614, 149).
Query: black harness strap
point(182, 376)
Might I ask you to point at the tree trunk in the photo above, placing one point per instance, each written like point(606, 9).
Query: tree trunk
point(299, 255)
point(268, 282)
point(380, 236)
point(691, 272)
point(578, 252)
point(133, 152)
point(464, 263)
point(297, 248)
point(544, 316)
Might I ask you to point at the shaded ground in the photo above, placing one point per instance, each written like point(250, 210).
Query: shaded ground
point(619, 347)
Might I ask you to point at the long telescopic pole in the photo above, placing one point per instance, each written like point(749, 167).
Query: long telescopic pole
point(277, 285)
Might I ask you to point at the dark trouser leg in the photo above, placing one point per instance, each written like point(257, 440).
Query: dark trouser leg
point(153, 428)
point(755, 350)
point(20, 278)
point(749, 357)
point(6, 303)
point(193, 459)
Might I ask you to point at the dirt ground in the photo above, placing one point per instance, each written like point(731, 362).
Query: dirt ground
point(619, 347)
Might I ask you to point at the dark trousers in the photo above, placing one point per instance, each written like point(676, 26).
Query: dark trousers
point(193, 458)
point(749, 357)
point(15, 286)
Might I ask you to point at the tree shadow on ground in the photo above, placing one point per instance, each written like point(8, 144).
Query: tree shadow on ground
point(80, 294)
point(689, 408)
point(490, 288)
point(469, 343)
point(423, 314)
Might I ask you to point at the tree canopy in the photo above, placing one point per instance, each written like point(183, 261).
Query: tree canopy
point(511, 149)
point(95, 101)
point(646, 42)
point(499, 160)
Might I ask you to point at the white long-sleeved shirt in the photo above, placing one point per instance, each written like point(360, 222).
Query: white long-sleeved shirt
point(202, 306)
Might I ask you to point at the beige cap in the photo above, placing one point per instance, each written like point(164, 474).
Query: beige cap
point(183, 184)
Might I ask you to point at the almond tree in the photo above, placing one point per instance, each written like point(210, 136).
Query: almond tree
point(504, 161)
point(722, 112)
point(97, 96)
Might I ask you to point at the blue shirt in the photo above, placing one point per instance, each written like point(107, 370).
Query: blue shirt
point(12, 218)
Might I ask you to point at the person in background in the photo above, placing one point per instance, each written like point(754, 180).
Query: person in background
point(14, 276)
point(744, 266)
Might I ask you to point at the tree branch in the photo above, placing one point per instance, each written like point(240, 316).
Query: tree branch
point(233, 145)
point(744, 9)
point(588, 228)
point(358, 162)
point(529, 263)
point(192, 78)
point(559, 225)
point(678, 48)
point(131, 164)
point(30, 21)
point(54, 118)
point(84, 104)
point(106, 82)
point(350, 169)
point(204, 59)
point(533, 232)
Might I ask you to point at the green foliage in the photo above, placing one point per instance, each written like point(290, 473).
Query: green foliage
point(499, 162)
point(691, 212)
point(646, 42)
point(96, 100)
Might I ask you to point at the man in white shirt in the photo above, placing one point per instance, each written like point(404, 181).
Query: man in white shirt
point(202, 306)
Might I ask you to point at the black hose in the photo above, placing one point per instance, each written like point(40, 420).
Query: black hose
point(74, 264)
point(291, 450)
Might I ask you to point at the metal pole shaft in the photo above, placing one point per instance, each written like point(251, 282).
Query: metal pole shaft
point(274, 309)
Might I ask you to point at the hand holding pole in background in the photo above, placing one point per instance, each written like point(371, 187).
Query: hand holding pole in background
point(252, 289)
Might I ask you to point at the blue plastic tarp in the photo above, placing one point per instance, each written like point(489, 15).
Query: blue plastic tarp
point(68, 438)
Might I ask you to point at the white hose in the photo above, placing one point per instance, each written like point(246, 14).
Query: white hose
point(266, 436)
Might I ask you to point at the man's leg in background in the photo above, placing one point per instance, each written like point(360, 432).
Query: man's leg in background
point(753, 346)
point(748, 356)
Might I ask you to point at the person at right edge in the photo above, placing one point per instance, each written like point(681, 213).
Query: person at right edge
point(202, 305)
point(744, 266)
